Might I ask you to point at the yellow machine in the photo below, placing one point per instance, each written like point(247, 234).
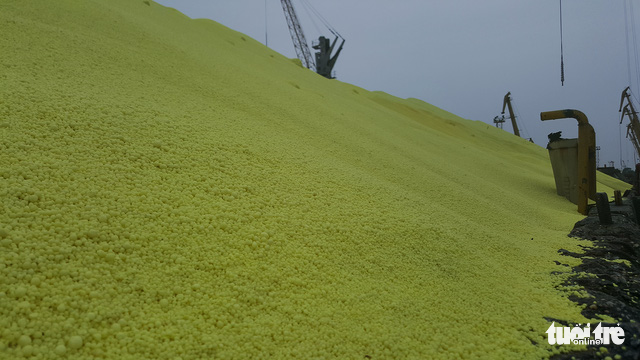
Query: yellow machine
point(586, 157)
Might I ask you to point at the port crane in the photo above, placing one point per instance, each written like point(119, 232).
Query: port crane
point(507, 103)
point(633, 129)
point(324, 60)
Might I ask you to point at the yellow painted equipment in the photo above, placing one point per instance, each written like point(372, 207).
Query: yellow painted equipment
point(563, 154)
point(586, 156)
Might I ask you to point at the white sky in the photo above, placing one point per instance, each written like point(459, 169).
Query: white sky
point(465, 55)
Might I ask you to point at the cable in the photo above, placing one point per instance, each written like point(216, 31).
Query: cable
point(266, 36)
point(626, 35)
point(620, 140)
point(521, 124)
point(561, 49)
point(306, 9)
point(319, 16)
point(324, 21)
point(626, 154)
point(633, 95)
point(635, 43)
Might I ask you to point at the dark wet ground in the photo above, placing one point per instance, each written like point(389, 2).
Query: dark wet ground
point(615, 288)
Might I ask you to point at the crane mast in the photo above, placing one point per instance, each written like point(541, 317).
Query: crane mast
point(507, 103)
point(299, 41)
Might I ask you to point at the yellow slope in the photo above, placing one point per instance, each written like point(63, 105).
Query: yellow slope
point(173, 189)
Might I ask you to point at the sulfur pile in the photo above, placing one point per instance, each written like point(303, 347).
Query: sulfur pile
point(172, 189)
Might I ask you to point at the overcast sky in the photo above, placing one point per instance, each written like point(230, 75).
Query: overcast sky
point(465, 55)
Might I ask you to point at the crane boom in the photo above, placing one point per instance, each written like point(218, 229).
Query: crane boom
point(299, 41)
point(633, 129)
point(634, 138)
point(630, 133)
point(507, 103)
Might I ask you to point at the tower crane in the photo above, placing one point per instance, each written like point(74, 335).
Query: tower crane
point(633, 129)
point(512, 116)
point(324, 61)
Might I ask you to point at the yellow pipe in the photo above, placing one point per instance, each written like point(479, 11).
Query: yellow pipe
point(586, 154)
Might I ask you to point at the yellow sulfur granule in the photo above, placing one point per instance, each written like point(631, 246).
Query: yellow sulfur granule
point(172, 189)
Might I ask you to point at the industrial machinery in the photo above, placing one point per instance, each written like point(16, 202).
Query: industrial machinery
point(574, 160)
point(324, 61)
point(633, 129)
point(507, 103)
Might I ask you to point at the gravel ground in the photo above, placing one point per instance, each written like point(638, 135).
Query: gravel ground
point(615, 289)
